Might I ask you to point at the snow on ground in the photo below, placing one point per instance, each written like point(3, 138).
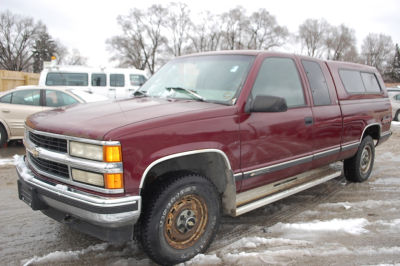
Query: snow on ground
point(7, 161)
point(56, 256)
point(350, 226)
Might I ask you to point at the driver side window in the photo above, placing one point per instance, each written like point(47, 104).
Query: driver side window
point(279, 77)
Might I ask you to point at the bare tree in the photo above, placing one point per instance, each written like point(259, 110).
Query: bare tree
point(179, 24)
point(340, 41)
point(312, 35)
point(377, 50)
point(234, 25)
point(17, 37)
point(206, 36)
point(142, 38)
point(264, 31)
point(74, 58)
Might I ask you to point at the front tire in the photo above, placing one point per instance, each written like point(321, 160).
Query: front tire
point(359, 167)
point(180, 218)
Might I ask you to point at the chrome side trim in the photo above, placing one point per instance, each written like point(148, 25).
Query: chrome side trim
point(322, 154)
point(284, 165)
point(277, 167)
point(59, 136)
point(280, 195)
point(350, 146)
point(181, 154)
point(238, 176)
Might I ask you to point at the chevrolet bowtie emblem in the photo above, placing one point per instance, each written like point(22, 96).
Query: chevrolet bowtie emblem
point(34, 152)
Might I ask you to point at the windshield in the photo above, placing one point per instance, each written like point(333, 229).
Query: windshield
point(66, 79)
point(213, 78)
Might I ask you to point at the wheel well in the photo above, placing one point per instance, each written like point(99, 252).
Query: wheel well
point(374, 131)
point(212, 165)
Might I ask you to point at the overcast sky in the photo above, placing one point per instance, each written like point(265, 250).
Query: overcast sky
point(85, 25)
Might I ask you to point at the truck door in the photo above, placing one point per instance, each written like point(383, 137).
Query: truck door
point(277, 145)
point(327, 129)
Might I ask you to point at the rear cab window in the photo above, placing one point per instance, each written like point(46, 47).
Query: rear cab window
point(357, 82)
point(317, 81)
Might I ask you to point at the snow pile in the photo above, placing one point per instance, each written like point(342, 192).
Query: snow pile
point(350, 226)
point(6, 161)
point(65, 255)
point(254, 242)
point(388, 156)
point(17, 159)
point(392, 226)
point(20, 164)
point(202, 259)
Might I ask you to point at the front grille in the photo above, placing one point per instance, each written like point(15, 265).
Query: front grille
point(57, 169)
point(50, 143)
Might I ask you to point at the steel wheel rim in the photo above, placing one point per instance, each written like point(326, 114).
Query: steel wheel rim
point(366, 159)
point(186, 221)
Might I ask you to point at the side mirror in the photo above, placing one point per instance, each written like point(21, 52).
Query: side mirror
point(267, 103)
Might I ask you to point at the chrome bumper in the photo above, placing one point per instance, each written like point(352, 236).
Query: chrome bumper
point(111, 212)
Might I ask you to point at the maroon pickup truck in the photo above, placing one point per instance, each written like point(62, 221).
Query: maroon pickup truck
point(211, 134)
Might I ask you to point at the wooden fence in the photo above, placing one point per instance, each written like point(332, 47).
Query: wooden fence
point(12, 79)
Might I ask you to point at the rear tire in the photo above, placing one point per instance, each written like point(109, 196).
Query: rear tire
point(3, 136)
point(359, 167)
point(180, 218)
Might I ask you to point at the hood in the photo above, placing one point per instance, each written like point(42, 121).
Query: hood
point(94, 120)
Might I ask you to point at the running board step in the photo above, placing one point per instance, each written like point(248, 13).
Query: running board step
point(244, 204)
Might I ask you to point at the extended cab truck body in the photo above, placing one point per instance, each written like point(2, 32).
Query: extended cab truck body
point(221, 132)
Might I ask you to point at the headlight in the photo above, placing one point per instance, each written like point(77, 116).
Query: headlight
point(88, 177)
point(84, 150)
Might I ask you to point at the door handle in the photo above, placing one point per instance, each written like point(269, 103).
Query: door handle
point(308, 120)
point(5, 111)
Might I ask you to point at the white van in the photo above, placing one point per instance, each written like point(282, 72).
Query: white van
point(111, 82)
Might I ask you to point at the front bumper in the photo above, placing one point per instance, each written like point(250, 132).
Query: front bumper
point(72, 206)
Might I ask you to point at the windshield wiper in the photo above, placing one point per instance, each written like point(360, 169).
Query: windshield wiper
point(187, 91)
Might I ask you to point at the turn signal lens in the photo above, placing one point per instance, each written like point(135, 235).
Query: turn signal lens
point(112, 154)
point(113, 181)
